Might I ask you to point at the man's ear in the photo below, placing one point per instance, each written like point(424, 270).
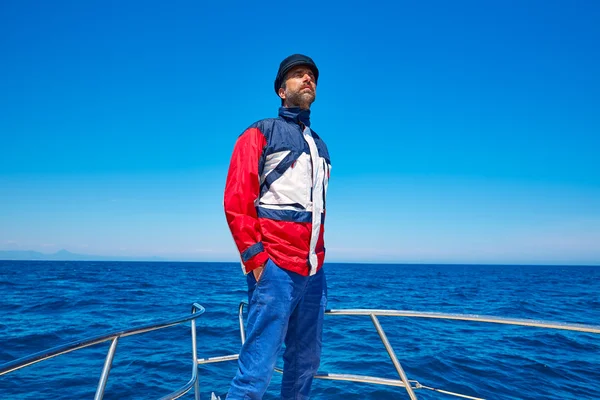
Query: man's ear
point(281, 93)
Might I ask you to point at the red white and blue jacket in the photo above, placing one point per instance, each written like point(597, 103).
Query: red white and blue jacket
point(275, 193)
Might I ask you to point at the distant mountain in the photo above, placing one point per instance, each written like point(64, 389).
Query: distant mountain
point(65, 255)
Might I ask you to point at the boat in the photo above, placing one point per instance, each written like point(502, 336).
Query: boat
point(409, 386)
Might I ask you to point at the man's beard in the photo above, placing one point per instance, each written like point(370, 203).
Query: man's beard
point(300, 99)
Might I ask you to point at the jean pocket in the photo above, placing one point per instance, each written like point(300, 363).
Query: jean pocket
point(263, 273)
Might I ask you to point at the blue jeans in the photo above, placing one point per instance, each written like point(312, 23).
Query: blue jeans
point(283, 307)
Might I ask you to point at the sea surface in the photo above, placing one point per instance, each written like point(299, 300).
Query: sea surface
point(48, 303)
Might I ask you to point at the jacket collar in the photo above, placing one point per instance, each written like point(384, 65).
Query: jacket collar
point(295, 114)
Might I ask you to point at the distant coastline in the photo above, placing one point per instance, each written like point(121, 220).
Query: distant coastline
point(65, 255)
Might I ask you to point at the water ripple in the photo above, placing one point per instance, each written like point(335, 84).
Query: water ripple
point(45, 304)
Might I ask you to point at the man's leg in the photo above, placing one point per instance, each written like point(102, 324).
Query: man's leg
point(303, 340)
point(270, 306)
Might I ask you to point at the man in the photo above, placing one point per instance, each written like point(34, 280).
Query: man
point(275, 208)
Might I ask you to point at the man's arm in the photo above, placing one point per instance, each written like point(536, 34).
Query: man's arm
point(241, 191)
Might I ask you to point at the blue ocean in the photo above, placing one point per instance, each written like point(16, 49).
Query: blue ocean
point(48, 303)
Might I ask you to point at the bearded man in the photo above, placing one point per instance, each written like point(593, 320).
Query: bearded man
point(275, 208)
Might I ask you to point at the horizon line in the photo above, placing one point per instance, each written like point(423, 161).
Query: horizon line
point(113, 258)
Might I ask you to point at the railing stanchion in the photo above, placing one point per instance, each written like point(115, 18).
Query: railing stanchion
point(106, 370)
point(241, 319)
point(195, 357)
point(395, 361)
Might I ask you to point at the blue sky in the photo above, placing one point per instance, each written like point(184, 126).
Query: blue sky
point(459, 131)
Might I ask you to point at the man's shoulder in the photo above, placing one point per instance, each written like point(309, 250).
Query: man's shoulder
point(265, 126)
point(264, 123)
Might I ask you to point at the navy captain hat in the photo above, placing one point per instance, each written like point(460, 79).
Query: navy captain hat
point(290, 62)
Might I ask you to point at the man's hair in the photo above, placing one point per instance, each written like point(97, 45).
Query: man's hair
point(283, 86)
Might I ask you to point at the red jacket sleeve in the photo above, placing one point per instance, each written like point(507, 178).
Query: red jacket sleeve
point(241, 191)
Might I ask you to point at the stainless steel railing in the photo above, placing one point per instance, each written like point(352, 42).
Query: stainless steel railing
point(409, 385)
point(197, 310)
point(460, 317)
point(471, 317)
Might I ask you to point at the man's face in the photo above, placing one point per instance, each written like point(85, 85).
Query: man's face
point(300, 88)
